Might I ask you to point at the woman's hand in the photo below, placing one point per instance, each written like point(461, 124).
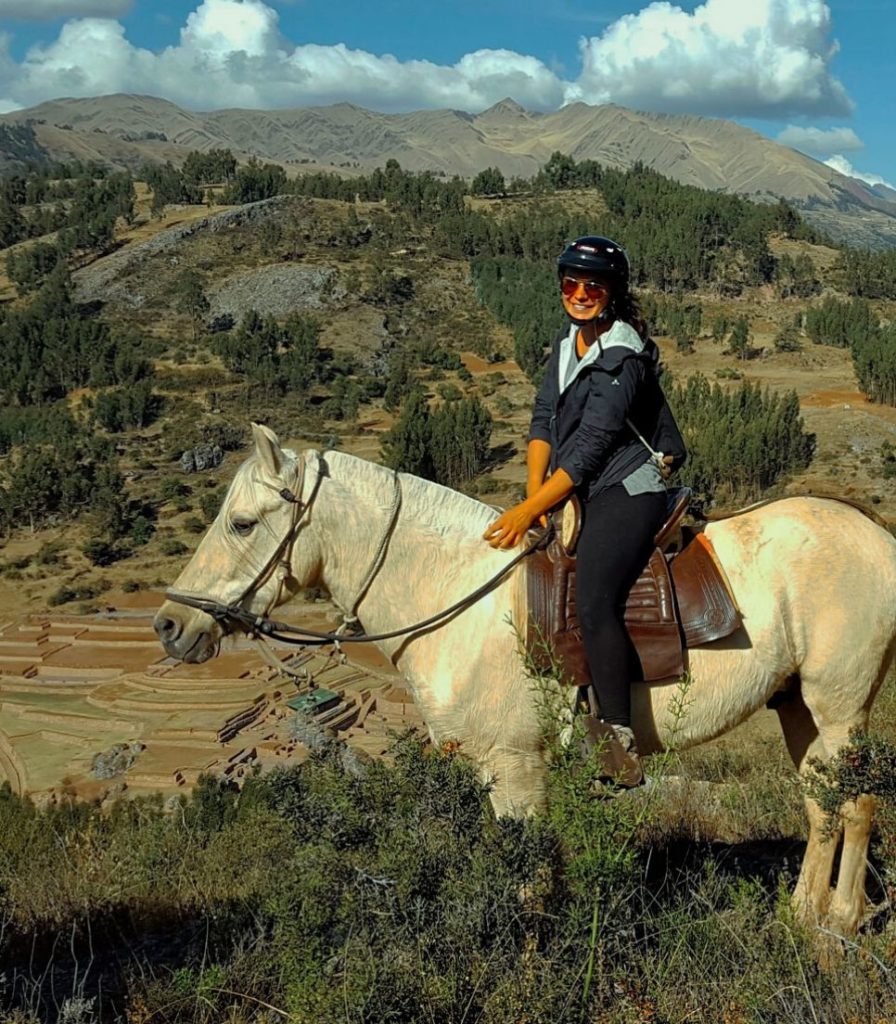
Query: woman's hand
point(510, 527)
point(666, 467)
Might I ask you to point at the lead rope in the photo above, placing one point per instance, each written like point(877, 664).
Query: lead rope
point(350, 619)
point(657, 456)
point(302, 675)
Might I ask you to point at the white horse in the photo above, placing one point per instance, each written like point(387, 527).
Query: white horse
point(815, 582)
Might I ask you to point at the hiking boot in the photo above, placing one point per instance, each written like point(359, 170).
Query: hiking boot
point(614, 746)
point(626, 738)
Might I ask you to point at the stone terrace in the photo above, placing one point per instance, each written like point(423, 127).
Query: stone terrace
point(74, 687)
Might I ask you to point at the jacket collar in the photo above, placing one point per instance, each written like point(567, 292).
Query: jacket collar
point(620, 336)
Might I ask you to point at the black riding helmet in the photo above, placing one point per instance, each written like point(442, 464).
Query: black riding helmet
point(596, 255)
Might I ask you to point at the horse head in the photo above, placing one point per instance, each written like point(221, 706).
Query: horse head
point(249, 557)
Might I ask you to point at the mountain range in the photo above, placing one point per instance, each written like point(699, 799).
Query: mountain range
point(127, 130)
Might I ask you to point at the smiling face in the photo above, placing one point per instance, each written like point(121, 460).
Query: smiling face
point(584, 295)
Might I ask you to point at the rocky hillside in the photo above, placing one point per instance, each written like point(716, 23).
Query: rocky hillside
point(711, 154)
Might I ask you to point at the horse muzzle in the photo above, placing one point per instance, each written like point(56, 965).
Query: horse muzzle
point(186, 633)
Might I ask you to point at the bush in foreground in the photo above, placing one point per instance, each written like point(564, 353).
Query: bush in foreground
point(387, 891)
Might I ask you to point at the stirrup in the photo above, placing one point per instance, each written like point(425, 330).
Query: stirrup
point(618, 766)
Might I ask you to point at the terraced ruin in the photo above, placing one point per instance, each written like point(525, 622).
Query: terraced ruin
point(90, 706)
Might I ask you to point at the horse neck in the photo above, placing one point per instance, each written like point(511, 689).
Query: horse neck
point(424, 570)
point(350, 521)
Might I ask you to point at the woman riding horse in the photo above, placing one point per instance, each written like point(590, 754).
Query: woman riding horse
point(598, 402)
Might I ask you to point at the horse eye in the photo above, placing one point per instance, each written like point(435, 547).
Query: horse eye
point(243, 526)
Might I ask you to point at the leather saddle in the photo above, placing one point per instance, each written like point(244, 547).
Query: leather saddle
point(681, 599)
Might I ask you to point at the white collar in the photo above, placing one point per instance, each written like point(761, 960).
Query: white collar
point(621, 334)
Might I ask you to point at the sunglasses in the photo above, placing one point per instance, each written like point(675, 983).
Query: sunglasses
point(594, 290)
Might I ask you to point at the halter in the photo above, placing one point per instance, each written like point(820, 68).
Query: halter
point(262, 625)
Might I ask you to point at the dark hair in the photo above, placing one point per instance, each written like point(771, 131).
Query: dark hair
point(624, 306)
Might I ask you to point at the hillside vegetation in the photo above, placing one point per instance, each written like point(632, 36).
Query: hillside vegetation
point(126, 131)
point(377, 313)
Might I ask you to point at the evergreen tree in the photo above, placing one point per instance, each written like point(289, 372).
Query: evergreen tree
point(12, 225)
point(212, 167)
point(256, 181)
point(489, 182)
point(191, 300)
point(739, 442)
point(460, 432)
point(406, 447)
point(29, 268)
point(739, 339)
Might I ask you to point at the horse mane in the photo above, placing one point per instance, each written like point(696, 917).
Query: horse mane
point(438, 507)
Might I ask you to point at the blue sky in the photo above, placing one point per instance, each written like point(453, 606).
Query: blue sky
point(819, 76)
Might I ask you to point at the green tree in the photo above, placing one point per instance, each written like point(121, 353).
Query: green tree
point(489, 182)
point(302, 357)
point(256, 181)
point(30, 267)
point(12, 225)
point(459, 441)
point(191, 300)
point(739, 338)
point(739, 442)
point(406, 447)
point(212, 167)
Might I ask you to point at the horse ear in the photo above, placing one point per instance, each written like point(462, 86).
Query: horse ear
point(268, 449)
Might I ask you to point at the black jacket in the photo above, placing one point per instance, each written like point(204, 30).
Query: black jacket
point(585, 425)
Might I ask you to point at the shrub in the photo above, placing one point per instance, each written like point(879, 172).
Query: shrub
point(103, 552)
point(141, 530)
point(387, 891)
point(172, 487)
point(210, 503)
point(172, 546)
point(51, 553)
point(65, 594)
point(787, 341)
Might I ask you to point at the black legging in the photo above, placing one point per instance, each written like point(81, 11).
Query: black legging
point(615, 543)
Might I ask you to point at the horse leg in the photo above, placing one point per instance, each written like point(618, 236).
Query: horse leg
point(813, 888)
point(846, 907)
point(848, 902)
point(517, 782)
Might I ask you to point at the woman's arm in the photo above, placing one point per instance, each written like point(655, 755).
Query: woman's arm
point(538, 458)
point(604, 415)
point(510, 528)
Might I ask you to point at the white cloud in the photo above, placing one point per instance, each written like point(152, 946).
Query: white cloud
point(747, 57)
point(839, 163)
point(820, 141)
point(46, 10)
point(232, 52)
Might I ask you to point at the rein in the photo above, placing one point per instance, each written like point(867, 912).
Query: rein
point(284, 633)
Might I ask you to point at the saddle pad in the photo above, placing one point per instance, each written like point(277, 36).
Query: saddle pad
point(672, 603)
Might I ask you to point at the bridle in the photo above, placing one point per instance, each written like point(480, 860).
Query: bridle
point(261, 625)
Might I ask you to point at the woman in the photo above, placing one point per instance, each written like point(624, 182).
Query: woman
point(600, 426)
